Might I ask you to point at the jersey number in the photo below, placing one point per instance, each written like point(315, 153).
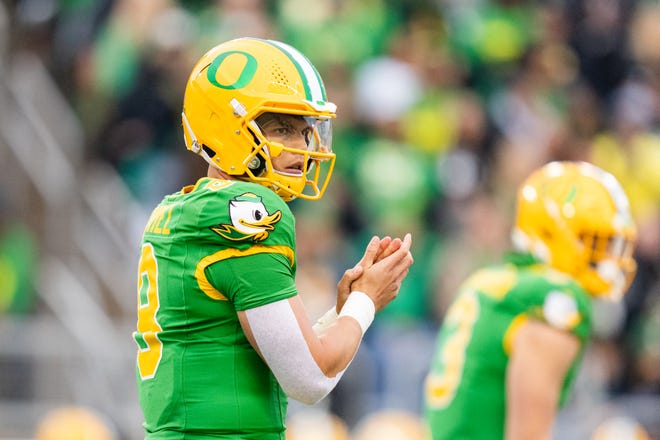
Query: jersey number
point(150, 348)
point(441, 385)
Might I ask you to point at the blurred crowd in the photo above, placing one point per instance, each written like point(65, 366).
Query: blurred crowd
point(444, 106)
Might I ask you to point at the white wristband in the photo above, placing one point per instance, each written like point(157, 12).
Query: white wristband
point(326, 320)
point(359, 307)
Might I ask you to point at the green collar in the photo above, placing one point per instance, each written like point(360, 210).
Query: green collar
point(521, 258)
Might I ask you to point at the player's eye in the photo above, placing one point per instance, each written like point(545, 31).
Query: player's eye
point(307, 134)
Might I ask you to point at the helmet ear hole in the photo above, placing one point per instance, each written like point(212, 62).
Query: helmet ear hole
point(257, 165)
point(208, 151)
point(254, 164)
point(546, 235)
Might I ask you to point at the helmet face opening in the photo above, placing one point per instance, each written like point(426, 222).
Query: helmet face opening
point(316, 132)
point(599, 247)
point(239, 86)
point(576, 218)
point(306, 141)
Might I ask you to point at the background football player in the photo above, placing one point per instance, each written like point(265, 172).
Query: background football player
point(512, 340)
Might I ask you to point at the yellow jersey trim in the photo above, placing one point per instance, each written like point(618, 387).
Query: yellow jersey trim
point(205, 262)
point(512, 331)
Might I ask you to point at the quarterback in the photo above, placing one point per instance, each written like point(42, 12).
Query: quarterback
point(223, 337)
point(512, 340)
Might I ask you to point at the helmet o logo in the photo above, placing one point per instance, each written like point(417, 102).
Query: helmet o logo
point(243, 79)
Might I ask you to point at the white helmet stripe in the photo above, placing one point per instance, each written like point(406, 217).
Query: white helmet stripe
point(613, 186)
point(314, 87)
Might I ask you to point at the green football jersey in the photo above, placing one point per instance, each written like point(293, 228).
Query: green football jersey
point(465, 388)
point(208, 251)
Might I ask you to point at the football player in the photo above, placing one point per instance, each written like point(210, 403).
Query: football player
point(512, 340)
point(223, 336)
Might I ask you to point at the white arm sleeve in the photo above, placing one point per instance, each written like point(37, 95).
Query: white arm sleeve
point(283, 347)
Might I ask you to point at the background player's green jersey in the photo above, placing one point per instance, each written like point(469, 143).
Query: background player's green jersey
point(209, 251)
point(465, 388)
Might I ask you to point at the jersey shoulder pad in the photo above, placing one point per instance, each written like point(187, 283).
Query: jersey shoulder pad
point(245, 212)
point(558, 300)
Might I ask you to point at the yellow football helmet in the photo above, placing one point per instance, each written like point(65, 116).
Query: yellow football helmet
point(236, 82)
point(73, 423)
point(575, 217)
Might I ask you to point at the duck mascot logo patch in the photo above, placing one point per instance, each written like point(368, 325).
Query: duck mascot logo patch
point(249, 219)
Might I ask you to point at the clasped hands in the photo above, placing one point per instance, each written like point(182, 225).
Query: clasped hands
point(380, 272)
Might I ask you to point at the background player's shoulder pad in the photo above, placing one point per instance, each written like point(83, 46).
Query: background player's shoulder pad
point(495, 281)
point(560, 310)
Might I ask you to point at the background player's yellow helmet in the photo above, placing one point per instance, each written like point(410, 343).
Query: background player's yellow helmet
point(576, 217)
point(234, 83)
point(73, 423)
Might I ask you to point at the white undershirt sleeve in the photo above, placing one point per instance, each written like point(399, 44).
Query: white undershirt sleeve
point(283, 347)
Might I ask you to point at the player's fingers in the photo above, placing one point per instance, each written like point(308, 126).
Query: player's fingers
point(401, 257)
point(401, 277)
point(407, 241)
point(405, 258)
point(395, 286)
point(385, 243)
point(370, 252)
point(404, 263)
point(398, 265)
point(349, 276)
point(392, 247)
